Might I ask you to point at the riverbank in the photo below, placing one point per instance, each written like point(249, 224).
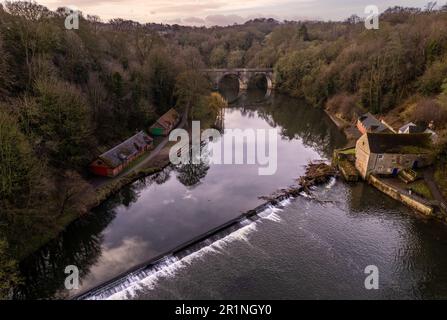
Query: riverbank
point(409, 199)
point(94, 197)
point(101, 188)
point(349, 130)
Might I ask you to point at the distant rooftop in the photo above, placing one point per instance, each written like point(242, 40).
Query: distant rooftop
point(371, 123)
point(119, 154)
point(168, 119)
point(412, 128)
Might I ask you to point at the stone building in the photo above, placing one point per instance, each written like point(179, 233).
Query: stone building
point(389, 153)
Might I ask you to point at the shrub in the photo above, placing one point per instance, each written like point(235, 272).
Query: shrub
point(428, 110)
point(8, 271)
point(344, 105)
point(431, 82)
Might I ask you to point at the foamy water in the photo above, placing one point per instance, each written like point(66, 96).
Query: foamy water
point(331, 183)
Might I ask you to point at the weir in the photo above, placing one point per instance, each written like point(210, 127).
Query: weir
point(169, 262)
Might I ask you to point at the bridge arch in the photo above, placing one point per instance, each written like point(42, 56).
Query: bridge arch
point(266, 76)
point(242, 85)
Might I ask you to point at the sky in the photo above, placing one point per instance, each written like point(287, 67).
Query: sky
point(225, 12)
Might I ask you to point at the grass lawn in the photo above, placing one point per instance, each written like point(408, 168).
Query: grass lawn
point(348, 151)
point(441, 178)
point(421, 188)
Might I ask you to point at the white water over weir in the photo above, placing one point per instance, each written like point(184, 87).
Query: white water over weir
point(147, 276)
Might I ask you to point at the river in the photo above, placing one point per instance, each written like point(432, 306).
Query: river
point(304, 248)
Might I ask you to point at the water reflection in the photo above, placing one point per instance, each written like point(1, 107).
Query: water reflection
point(191, 174)
point(294, 118)
point(164, 210)
point(79, 245)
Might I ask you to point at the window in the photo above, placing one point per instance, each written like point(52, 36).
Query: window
point(380, 157)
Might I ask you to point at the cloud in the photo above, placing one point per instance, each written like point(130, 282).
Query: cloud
point(211, 20)
point(194, 21)
point(115, 260)
point(224, 20)
point(222, 12)
point(174, 21)
point(185, 7)
point(82, 3)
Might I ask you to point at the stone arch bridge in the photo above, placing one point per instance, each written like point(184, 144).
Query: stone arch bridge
point(243, 75)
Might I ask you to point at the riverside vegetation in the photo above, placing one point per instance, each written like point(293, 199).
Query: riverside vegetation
point(67, 95)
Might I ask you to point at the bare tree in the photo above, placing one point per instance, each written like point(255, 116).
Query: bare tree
point(6, 77)
point(428, 110)
point(144, 43)
point(27, 28)
point(430, 7)
point(73, 193)
point(95, 21)
point(28, 10)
